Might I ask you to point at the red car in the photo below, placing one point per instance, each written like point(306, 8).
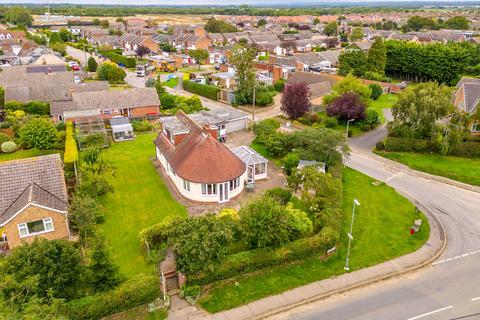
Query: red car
point(74, 66)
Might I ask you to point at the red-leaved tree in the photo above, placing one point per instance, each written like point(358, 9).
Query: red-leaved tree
point(295, 99)
point(347, 106)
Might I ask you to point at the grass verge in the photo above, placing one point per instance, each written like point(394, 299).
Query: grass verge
point(140, 199)
point(381, 232)
point(455, 168)
point(385, 101)
point(172, 83)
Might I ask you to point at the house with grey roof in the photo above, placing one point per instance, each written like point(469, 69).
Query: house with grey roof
point(33, 201)
point(466, 99)
point(132, 103)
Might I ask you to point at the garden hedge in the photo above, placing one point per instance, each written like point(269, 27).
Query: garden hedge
point(203, 90)
point(135, 292)
point(119, 59)
point(252, 260)
point(71, 150)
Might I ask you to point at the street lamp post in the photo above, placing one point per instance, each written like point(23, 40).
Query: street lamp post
point(350, 237)
point(348, 124)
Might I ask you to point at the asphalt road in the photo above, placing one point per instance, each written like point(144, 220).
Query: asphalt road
point(448, 289)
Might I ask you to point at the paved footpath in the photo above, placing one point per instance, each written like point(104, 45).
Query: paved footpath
point(321, 289)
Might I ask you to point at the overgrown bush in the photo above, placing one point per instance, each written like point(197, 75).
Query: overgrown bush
point(280, 195)
point(331, 122)
point(137, 291)
point(203, 90)
point(290, 161)
point(371, 121)
point(467, 149)
point(93, 140)
point(8, 147)
point(119, 59)
point(380, 146)
point(31, 107)
point(4, 138)
point(279, 85)
point(142, 126)
point(110, 72)
point(377, 91)
point(39, 133)
point(347, 106)
point(409, 145)
point(167, 101)
point(191, 290)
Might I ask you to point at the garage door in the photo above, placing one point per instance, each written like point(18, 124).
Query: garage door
point(236, 125)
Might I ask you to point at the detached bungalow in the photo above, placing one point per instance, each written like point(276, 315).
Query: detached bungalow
point(132, 103)
point(201, 168)
point(33, 201)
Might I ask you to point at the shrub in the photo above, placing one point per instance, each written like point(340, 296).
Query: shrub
point(32, 107)
point(467, 149)
point(265, 128)
point(111, 72)
point(331, 122)
point(295, 100)
point(137, 291)
point(39, 133)
point(8, 147)
point(309, 118)
point(280, 195)
point(290, 162)
point(264, 98)
point(203, 90)
point(167, 101)
point(371, 121)
point(377, 91)
point(142, 126)
point(347, 106)
point(371, 75)
point(4, 138)
point(380, 146)
point(299, 225)
point(93, 140)
point(191, 290)
point(92, 64)
point(279, 85)
point(408, 145)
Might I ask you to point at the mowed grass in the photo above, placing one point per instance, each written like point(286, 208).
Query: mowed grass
point(140, 199)
point(172, 83)
point(456, 168)
point(385, 101)
point(381, 232)
point(29, 153)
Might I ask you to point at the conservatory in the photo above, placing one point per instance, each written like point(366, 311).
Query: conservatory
point(256, 164)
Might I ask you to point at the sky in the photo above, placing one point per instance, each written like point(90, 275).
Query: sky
point(198, 2)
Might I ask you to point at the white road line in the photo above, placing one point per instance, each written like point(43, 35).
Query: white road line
point(456, 257)
point(475, 299)
point(431, 312)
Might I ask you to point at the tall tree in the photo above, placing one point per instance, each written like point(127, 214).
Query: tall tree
point(347, 106)
point(295, 99)
point(356, 34)
point(418, 109)
point(103, 273)
point(200, 55)
point(242, 61)
point(92, 64)
point(458, 22)
point(349, 84)
point(331, 29)
point(377, 57)
point(19, 16)
point(352, 61)
point(218, 26)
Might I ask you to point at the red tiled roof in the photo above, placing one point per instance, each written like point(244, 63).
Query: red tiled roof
point(200, 157)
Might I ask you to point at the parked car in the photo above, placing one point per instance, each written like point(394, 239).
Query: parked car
point(74, 65)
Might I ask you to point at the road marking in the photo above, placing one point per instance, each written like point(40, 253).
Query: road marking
point(456, 257)
point(475, 299)
point(431, 312)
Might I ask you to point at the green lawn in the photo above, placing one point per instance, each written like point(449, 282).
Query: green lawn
point(172, 83)
point(381, 232)
point(140, 199)
point(385, 101)
point(455, 168)
point(29, 153)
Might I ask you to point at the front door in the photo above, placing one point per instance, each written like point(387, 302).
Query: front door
point(223, 192)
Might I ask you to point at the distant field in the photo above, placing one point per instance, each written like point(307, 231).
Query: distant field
point(160, 18)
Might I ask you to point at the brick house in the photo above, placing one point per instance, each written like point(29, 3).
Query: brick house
point(33, 201)
point(132, 103)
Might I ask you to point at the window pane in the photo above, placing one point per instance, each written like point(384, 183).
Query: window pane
point(22, 228)
point(48, 224)
point(35, 226)
point(204, 188)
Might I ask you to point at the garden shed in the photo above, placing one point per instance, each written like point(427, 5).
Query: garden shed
point(256, 164)
point(121, 129)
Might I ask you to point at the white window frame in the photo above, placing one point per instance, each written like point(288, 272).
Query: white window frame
point(476, 127)
point(186, 185)
point(234, 184)
point(213, 189)
point(24, 227)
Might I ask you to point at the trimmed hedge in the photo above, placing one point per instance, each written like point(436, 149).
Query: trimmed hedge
point(119, 59)
point(140, 290)
point(203, 90)
point(71, 150)
point(468, 149)
point(252, 260)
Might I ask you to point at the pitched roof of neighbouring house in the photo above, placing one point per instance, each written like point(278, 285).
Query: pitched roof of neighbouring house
point(36, 180)
point(311, 78)
point(107, 99)
point(319, 89)
point(200, 157)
